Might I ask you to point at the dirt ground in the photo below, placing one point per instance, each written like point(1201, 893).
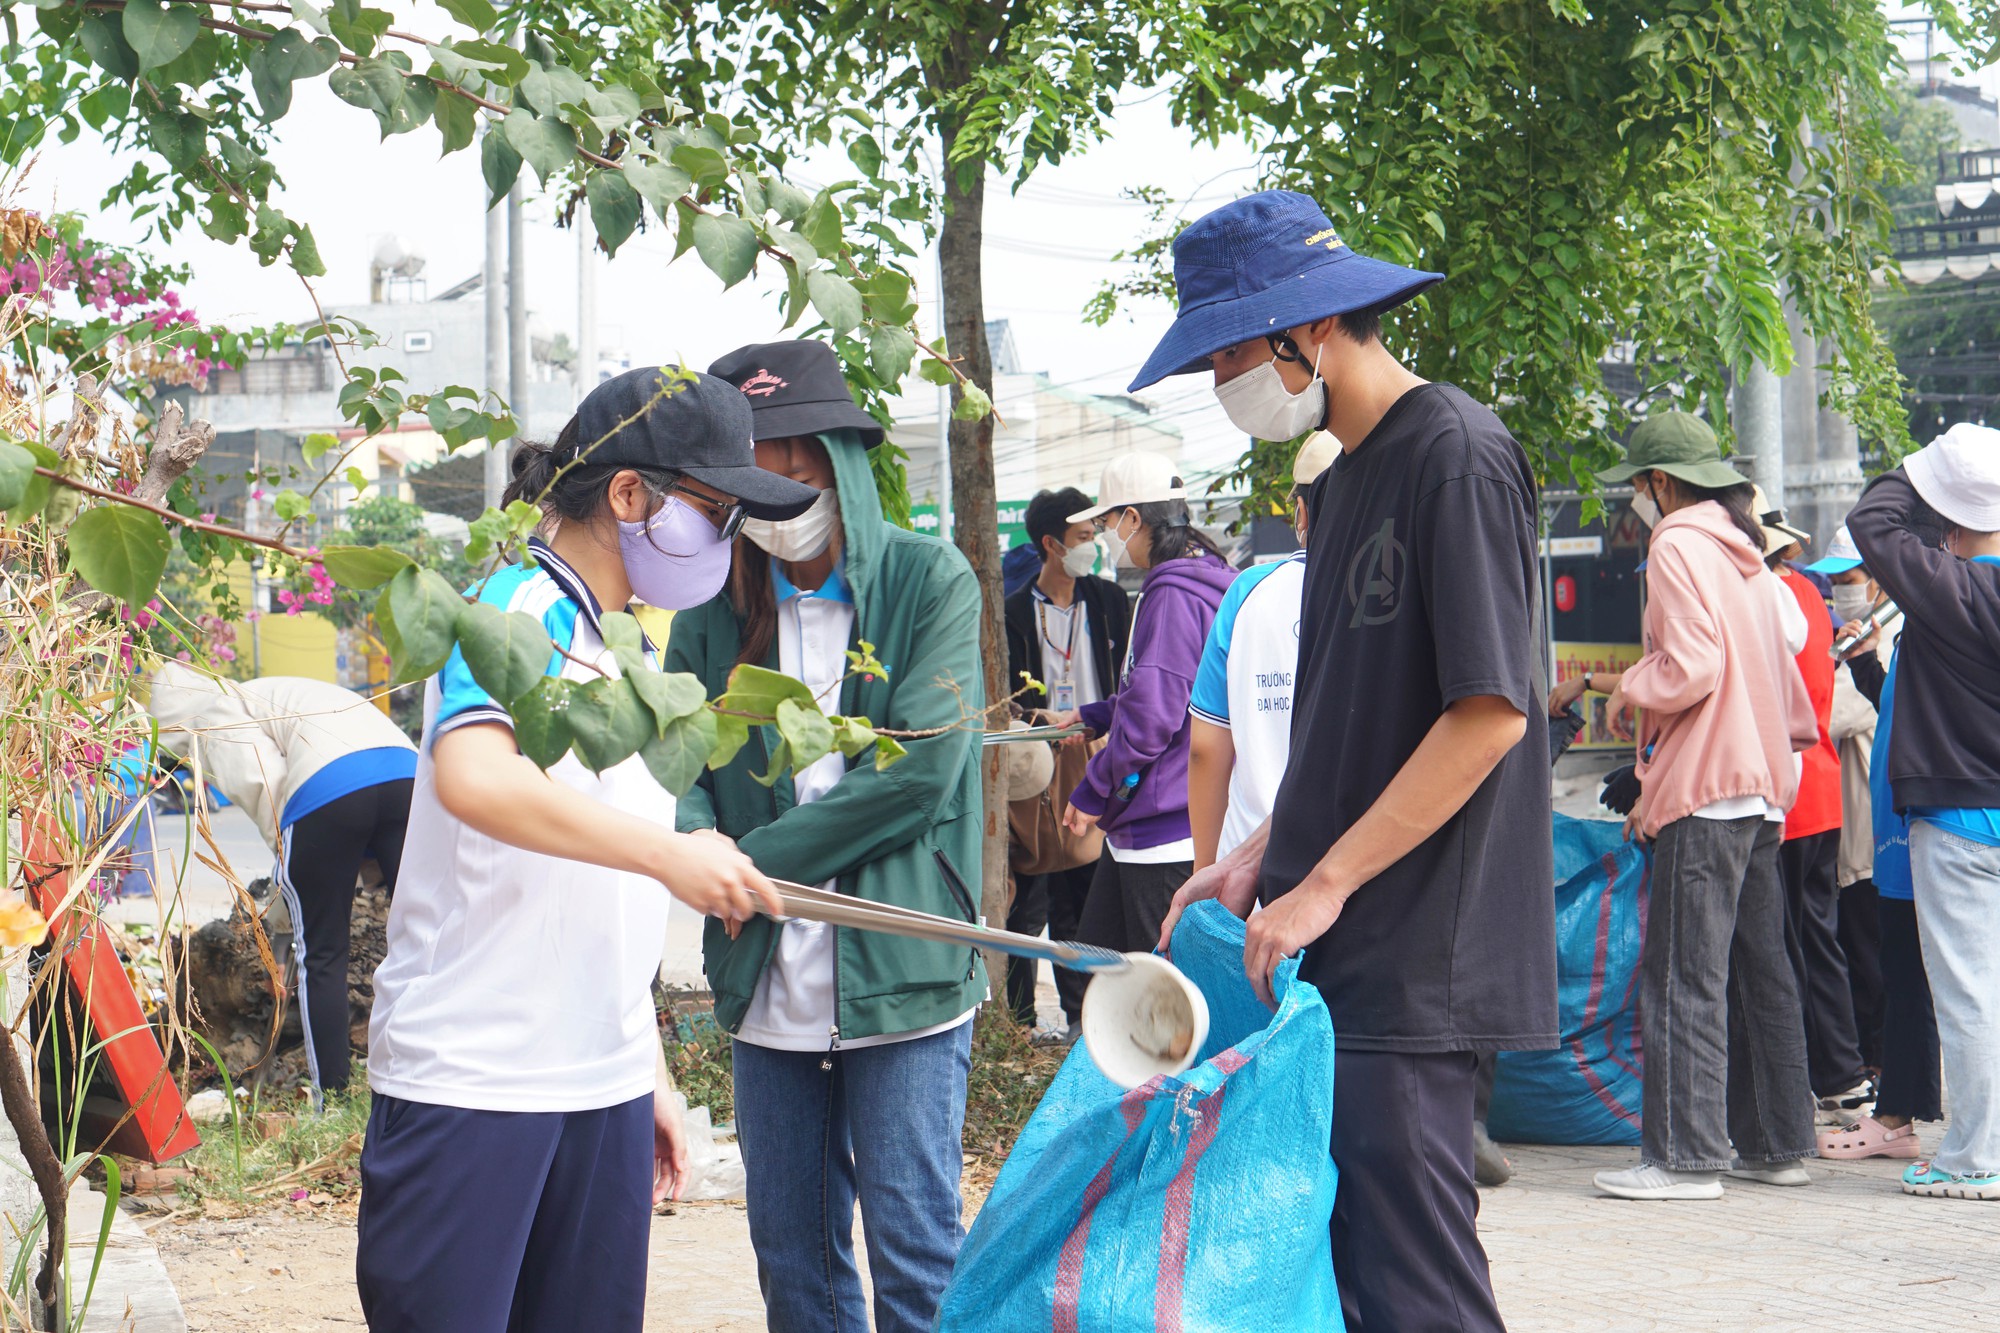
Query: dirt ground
point(292, 1269)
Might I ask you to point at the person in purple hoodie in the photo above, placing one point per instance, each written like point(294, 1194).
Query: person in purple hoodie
point(1136, 787)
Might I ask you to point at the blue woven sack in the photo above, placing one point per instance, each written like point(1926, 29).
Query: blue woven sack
point(1588, 1089)
point(1197, 1202)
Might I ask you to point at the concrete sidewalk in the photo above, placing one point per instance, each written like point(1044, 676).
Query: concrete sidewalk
point(1849, 1251)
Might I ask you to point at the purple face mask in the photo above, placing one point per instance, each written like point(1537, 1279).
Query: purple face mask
point(674, 559)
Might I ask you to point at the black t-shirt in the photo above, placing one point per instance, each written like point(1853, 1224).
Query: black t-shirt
point(1422, 589)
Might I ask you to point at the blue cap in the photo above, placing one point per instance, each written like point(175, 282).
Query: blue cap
point(1841, 555)
point(1262, 265)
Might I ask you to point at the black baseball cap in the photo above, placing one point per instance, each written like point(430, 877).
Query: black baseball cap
point(795, 388)
point(668, 418)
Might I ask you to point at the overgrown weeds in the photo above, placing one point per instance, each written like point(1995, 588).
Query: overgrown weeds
point(287, 1154)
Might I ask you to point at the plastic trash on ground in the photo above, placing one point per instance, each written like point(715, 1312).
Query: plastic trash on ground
point(1200, 1201)
point(1588, 1089)
point(715, 1169)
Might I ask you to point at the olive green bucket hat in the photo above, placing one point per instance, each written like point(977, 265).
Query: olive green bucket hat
point(1678, 444)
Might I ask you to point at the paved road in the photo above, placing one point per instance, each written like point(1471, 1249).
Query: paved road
point(1850, 1251)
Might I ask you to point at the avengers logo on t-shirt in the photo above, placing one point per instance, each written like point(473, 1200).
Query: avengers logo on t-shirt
point(1372, 578)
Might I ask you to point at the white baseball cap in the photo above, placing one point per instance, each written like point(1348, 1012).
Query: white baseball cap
point(1315, 456)
point(1137, 478)
point(1841, 555)
point(1958, 474)
point(1778, 534)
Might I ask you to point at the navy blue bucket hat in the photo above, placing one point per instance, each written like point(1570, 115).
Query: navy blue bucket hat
point(1262, 265)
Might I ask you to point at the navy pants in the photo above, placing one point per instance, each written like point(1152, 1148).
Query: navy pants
point(505, 1221)
point(1406, 1251)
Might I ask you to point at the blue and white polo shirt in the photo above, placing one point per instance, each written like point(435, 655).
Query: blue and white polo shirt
point(515, 981)
point(1245, 684)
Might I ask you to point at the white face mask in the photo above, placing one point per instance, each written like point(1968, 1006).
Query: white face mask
point(799, 538)
point(1852, 601)
point(1646, 508)
point(1079, 560)
point(1258, 403)
point(1115, 547)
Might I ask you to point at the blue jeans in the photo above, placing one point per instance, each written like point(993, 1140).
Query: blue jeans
point(819, 1130)
point(1958, 883)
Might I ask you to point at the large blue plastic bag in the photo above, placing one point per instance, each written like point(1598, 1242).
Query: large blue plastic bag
point(1198, 1202)
point(1588, 1089)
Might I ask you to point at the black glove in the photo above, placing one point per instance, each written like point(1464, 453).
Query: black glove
point(1621, 790)
point(1563, 731)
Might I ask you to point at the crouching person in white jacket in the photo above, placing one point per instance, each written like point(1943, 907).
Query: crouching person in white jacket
point(326, 776)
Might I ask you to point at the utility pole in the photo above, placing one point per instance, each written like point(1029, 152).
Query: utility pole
point(586, 305)
point(517, 309)
point(490, 280)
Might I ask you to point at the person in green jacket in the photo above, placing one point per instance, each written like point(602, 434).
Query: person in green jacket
point(852, 1049)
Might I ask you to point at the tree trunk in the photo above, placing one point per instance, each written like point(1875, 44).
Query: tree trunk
point(976, 526)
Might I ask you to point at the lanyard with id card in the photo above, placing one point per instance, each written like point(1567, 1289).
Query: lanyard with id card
point(1062, 693)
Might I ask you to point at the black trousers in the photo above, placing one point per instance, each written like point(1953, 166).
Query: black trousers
point(1912, 1083)
point(1128, 901)
point(320, 859)
point(1053, 902)
point(1861, 944)
point(1810, 866)
point(1405, 1247)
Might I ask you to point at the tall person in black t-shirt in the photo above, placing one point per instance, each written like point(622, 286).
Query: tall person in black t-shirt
point(1408, 852)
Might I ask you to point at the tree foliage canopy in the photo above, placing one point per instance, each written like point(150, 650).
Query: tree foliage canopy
point(1586, 173)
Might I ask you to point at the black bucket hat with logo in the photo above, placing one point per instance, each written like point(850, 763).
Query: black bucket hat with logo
point(795, 388)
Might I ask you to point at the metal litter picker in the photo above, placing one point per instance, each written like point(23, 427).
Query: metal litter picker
point(1141, 1017)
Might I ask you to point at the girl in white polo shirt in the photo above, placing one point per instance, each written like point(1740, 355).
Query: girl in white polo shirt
point(521, 1129)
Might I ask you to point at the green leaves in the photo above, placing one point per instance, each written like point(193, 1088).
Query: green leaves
point(727, 244)
point(890, 350)
point(356, 28)
point(669, 695)
point(660, 185)
point(544, 142)
point(973, 403)
point(614, 206)
point(377, 84)
point(119, 550)
point(477, 15)
point(675, 756)
point(363, 567)
point(541, 721)
point(159, 33)
point(103, 37)
point(499, 164)
point(17, 473)
point(608, 721)
point(806, 731)
point(423, 609)
point(835, 299)
point(507, 652)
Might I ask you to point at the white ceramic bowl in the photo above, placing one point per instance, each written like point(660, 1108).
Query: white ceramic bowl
point(1145, 1021)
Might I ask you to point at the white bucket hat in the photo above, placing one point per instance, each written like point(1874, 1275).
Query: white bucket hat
point(1315, 456)
point(1137, 478)
point(1958, 474)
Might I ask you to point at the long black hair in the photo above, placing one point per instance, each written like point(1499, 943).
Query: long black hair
point(1173, 531)
point(577, 493)
point(1738, 501)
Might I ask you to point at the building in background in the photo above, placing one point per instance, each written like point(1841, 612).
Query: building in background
point(1049, 435)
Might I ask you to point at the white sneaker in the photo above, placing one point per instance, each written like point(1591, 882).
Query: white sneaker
point(1845, 1108)
point(1771, 1173)
point(1657, 1182)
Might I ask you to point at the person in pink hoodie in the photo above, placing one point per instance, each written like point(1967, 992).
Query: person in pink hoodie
point(1723, 710)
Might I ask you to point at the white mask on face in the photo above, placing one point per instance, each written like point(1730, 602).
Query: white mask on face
point(1258, 403)
point(1115, 547)
point(799, 538)
point(1079, 560)
point(1646, 508)
point(1852, 601)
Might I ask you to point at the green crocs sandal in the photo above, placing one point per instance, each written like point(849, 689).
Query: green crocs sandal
point(1928, 1182)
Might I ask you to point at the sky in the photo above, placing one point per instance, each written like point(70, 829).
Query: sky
point(1047, 248)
